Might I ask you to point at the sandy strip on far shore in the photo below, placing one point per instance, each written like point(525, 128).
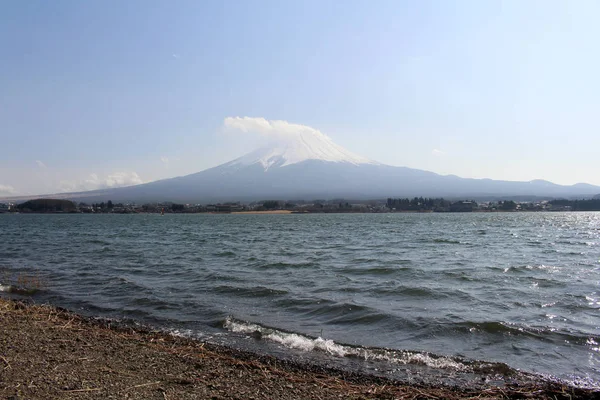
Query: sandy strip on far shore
point(49, 353)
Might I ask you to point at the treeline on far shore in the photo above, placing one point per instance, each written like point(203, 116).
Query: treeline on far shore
point(442, 205)
point(47, 206)
point(577, 205)
point(416, 204)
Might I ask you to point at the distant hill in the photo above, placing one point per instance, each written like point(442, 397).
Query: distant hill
point(596, 196)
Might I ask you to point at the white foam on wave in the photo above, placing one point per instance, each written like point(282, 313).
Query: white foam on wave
point(182, 333)
point(308, 344)
point(5, 288)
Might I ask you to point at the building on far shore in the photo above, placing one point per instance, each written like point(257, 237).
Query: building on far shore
point(4, 207)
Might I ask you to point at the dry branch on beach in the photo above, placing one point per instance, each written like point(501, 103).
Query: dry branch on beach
point(47, 352)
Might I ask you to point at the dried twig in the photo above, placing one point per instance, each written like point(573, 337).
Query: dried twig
point(82, 390)
point(6, 361)
point(68, 323)
point(143, 385)
point(426, 395)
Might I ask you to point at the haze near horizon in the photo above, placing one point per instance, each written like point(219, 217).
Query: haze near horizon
point(109, 94)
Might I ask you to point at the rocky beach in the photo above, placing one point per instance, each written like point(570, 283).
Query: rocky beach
point(47, 352)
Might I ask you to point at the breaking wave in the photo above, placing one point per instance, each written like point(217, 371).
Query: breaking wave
point(309, 344)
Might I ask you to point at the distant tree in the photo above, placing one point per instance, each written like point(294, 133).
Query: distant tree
point(588, 205)
point(47, 205)
point(463, 206)
point(109, 205)
point(508, 205)
point(177, 207)
point(271, 204)
point(577, 205)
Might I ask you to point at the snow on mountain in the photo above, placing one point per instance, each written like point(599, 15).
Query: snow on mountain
point(301, 147)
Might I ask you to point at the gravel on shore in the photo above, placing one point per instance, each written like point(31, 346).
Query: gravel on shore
point(50, 353)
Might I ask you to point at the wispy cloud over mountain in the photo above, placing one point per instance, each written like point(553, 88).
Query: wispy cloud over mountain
point(6, 189)
point(94, 182)
point(274, 129)
point(165, 160)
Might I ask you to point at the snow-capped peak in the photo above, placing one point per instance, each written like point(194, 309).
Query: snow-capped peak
point(303, 146)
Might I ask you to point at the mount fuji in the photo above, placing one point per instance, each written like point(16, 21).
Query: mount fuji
point(309, 165)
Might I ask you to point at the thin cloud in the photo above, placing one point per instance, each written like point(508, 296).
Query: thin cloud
point(40, 164)
point(165, 161)
point(437, 152)
point(95, 182)
point(175, 55)
point(6, 189)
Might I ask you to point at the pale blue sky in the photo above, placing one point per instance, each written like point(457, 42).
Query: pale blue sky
point(125, 91)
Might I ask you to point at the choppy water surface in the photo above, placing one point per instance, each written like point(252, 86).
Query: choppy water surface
point(409, 295)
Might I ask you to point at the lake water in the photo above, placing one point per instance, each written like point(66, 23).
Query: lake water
point(413, 296)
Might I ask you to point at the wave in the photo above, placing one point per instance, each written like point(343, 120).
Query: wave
point(225, 254)
point(120, 284)
point(99, 241)
point(539, 333)
point(17, 290)
point(379, 270)
point(440, 240)
point(423, 292)
point(284, 265)
point(524, 268)
point(311, 344)
point(258, 291)
point(448, 241)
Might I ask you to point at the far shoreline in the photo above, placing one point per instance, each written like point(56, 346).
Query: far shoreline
point(286, 212)
point(263, 212)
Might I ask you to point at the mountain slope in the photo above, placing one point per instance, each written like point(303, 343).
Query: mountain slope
point(310, 166)
point(312, 179)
